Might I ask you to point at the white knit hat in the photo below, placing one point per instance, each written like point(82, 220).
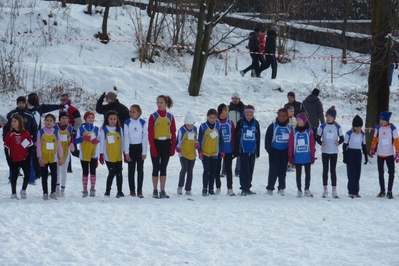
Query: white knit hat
point(235, 95)
point(189, 119)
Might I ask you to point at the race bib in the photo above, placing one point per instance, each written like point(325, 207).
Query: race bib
point(25, 143)
point(50, 146)
point(214, 134)
point(111, 139)
point(191, 136)
point(63, 137)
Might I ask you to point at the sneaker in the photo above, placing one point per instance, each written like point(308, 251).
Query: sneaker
point(253, 74)
point(281, 192)
point(133, 194)
point(299, 194)
point(179, 191)
point(308, 193)
point(155, 194)
point(45, 196)
point(389, 195)
point(381, 194)
point(163, 195)
point(85, 194)
point(69, 171)
point(62, 192)
point(324, 194)
point(250, 192)
point(204, 192)
point(335, 195)
point(23, 194)
point(290, 169)
point(244, 193)
point(120, 194)
point(352, 196)
point(92, 192)
point(357, 195)
point(242, 73)
point(140, 195)
point(58, 192)
point(230, 192)
point(107, 194)
point(14, 196)
point(218, 191)
point(188, 193)
point(53, 196)
point(269, 192)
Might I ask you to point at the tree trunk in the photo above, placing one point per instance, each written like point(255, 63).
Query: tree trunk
point(89, 10)
point(378, 81)
point(104, 34)
point(63, 3)
point(343, 36)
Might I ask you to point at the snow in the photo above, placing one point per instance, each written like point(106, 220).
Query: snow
point(191, 230)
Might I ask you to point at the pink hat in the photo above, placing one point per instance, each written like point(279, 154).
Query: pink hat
point(302, 117)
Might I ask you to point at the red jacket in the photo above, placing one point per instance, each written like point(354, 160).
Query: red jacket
point(262, 42)
point(18, 145)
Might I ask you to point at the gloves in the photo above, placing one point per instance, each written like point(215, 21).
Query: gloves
point(71, 147)
point(153, 151)
point(103, 95)
point(366, 159)
point(200, 155)
point(372, 152)
point(197, 146)
point(86, 137)
point(66, 106)
point(397, 157)
point(102, 161)
point(178, 150)
point(291, 160)
point(95, 141)
point(222, 154)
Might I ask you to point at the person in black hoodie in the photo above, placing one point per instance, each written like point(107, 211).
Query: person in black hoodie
point(298, 106)
point(113, 104)
point(314, 109)
point(253, 46)
point(270, 53)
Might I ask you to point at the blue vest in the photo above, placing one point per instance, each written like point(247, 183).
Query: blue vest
point(248, 137)
point(302, 147)
point(280, 136)
point(227, 136)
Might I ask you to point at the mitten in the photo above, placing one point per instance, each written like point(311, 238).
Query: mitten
point(71, 147)
point(95, 141)
point(197, 146)
point(102, 161)
point(200, 155)
point(372, 152)
point(153, 151)
point(178, 150)
point(86, 137)
point(222, 154)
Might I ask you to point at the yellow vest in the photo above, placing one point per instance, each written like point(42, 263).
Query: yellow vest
point(88, 149)
point(210, 146)
point(113, 146)
point(162, 126)
point(65, 143)
point(49, 147)
point(188, 145)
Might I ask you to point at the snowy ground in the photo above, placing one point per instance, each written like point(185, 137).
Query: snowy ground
point(195, 230)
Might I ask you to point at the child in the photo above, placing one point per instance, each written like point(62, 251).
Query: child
point(276, 145)
point(329, 136)
point(49, 153)
point(87, 137)
point(65, 130)
point(135, 148)
point(111, 145)
point(247, 148)
point(227, 127)
point(162, 139)
point(17, 143)
point(292, 123)
point(185, 146)
point(385, 140)
point(301, 152)
point(354, 144)
point(210, 141)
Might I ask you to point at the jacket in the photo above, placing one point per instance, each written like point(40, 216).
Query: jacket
point(314, 109)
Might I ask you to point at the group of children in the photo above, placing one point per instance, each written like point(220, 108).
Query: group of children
point(287, 142)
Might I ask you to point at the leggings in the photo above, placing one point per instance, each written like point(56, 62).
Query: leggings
point(391, 172)
point(160, 163)
point(186, 167)
point(298, 169)
point(25, 165)
point(135, 152)
point(62, 172)
point(44, 174)
point(114, 169)
point(86, 165)
point(228, 161)
point(332, 159)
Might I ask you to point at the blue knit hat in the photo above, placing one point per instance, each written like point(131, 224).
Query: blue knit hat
point(385, 115)
point(332, 112)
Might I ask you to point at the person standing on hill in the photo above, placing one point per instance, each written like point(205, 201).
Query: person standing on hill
point(394, 62)
point(270, 53)
point(314, 109)
point(112, 104)
point(236, 112)
point(298, 106)
point(253, 46)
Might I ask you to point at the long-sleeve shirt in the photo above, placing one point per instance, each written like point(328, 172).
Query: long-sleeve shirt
point(329, 134)
point(385, 139)
point(48, 145)
point(135, 132)
point(186, 140)
point(301, 148)
point(158, 130)
point(210, 139)
point(111, 144)
point(88, 150)
point(247, 137)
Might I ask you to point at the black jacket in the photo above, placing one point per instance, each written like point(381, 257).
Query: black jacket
point(270, 47)
point(298, 107)
point(314, 109)
point(253, 42)
point(29, 123)
point(123, 112)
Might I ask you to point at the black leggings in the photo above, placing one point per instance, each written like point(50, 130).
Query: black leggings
point(186, 167)
point(14, 166)
point(332, 159)
point(114, 169)
point(85, 167)
point(228, 161)
point(44, 174)
point(135, 153)
point(160, 163)
point(298, 169)
point(391, 172)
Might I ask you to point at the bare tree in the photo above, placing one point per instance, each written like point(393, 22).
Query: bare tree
point(63, 3)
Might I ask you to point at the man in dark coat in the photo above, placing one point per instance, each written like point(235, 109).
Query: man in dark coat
point(113, 104)
point(314, 109)
point(253, 46)
point(270, 53)
point(298, 106)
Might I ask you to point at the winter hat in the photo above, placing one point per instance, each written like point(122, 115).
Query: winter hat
point(274, 28)
point(111, 95)
point(62, 114)
point(357, 121)
point(189, 118)
point(302, 116)
point(291, 93)
point(332, 112)
point(21, 99)
point(87, 115)
point(385, 115)
point(316, 92)
point(235, 95)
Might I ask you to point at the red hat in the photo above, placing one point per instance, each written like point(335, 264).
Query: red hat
point(87, 115)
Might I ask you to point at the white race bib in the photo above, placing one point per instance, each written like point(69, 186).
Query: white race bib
point(286, 136)
point(111, 139)
point(92, 136)
point(248, 133)
point(301, 142)
point(25, 143)
point(330, 135)
point(50, 146)
point(162, 138)
point(385, 142)
point(63, 137)
point(357, 139)
point(191, 136)
point(214, 134)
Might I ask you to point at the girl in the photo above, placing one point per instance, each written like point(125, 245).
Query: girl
point(65, 130)
point(210, 141)
point(228, 128)
point(17, 143)
point(185, 147)
point(87, 137)
point(135, 148)
point(111, 145)
point(49, 153)
point(387, 142)
point(329, 136)
point(354, 144)
point(301, 152)
point(162, 139)
point(247, 148)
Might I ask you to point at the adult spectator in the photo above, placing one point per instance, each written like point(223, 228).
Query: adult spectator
point(253, 46)
point(112, 104)
point(298, 106)
point(394, 62)
point(270, 53)
point(314, 109)
point(236, 111)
